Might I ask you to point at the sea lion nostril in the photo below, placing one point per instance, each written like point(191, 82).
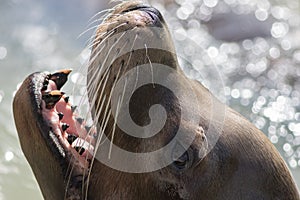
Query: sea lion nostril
point(136, 7)
point(152, 12)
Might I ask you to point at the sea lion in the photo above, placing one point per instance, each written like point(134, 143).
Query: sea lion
point(212, 151)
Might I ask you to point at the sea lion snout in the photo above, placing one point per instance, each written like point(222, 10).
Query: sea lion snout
point(151, 11)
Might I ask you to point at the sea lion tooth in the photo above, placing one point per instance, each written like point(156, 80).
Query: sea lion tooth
point(60, 115)
point(81, 145)
point(67, 99)
point(87, 128)
point(73, 108)
point(80, 120)
point(65, 126)
point(80, 150)
point(60, 77)
point(46, 82)
point(71, 138)
point(52, 97)
point(44, 87)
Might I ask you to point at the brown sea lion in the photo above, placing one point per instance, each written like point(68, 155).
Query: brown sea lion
point(190, 147)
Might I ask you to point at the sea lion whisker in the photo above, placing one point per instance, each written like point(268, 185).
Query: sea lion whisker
point(96, 42)
point(151, 66)
point(101, 94)
point(99, 13)
point(93, 78)
point(69, 176)
point(99, 42)
point(133, 43)
point(120, 100)
point(114, 128)
point(87, 30)
point(107, 110)
point(130, 55)
point(96, 35)
point(105, 59)
point(97, 145)
point(90, 40)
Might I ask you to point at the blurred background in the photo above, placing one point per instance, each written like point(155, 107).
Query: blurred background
point(253, 45)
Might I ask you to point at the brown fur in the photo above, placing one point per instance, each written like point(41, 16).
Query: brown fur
point(242, 165)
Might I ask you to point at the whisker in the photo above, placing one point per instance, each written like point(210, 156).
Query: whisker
point(116, 114)
point(99, 13)
point(87, 30)
point(151, 66)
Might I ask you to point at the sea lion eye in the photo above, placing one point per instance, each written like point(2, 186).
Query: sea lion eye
point(181, 162)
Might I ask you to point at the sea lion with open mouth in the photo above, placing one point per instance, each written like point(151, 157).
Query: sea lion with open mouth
point(156, 134)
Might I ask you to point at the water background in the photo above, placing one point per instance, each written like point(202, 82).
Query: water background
point(260, 74)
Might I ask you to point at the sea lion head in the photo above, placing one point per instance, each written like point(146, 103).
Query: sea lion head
point(133, 66)
point(148, 116)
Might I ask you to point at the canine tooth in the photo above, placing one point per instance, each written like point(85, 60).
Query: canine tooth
point(52, 97)
point(80, 120)
point(60, 115)
point(60, 77)
point(67, 99)
point(44, 87)
point(87, 128)
point(65, 126)
point(71, 138)
point(73, 108)
point(80, 150)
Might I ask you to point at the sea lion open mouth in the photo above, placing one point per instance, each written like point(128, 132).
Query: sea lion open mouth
point(70, 141)
point(133, 67)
